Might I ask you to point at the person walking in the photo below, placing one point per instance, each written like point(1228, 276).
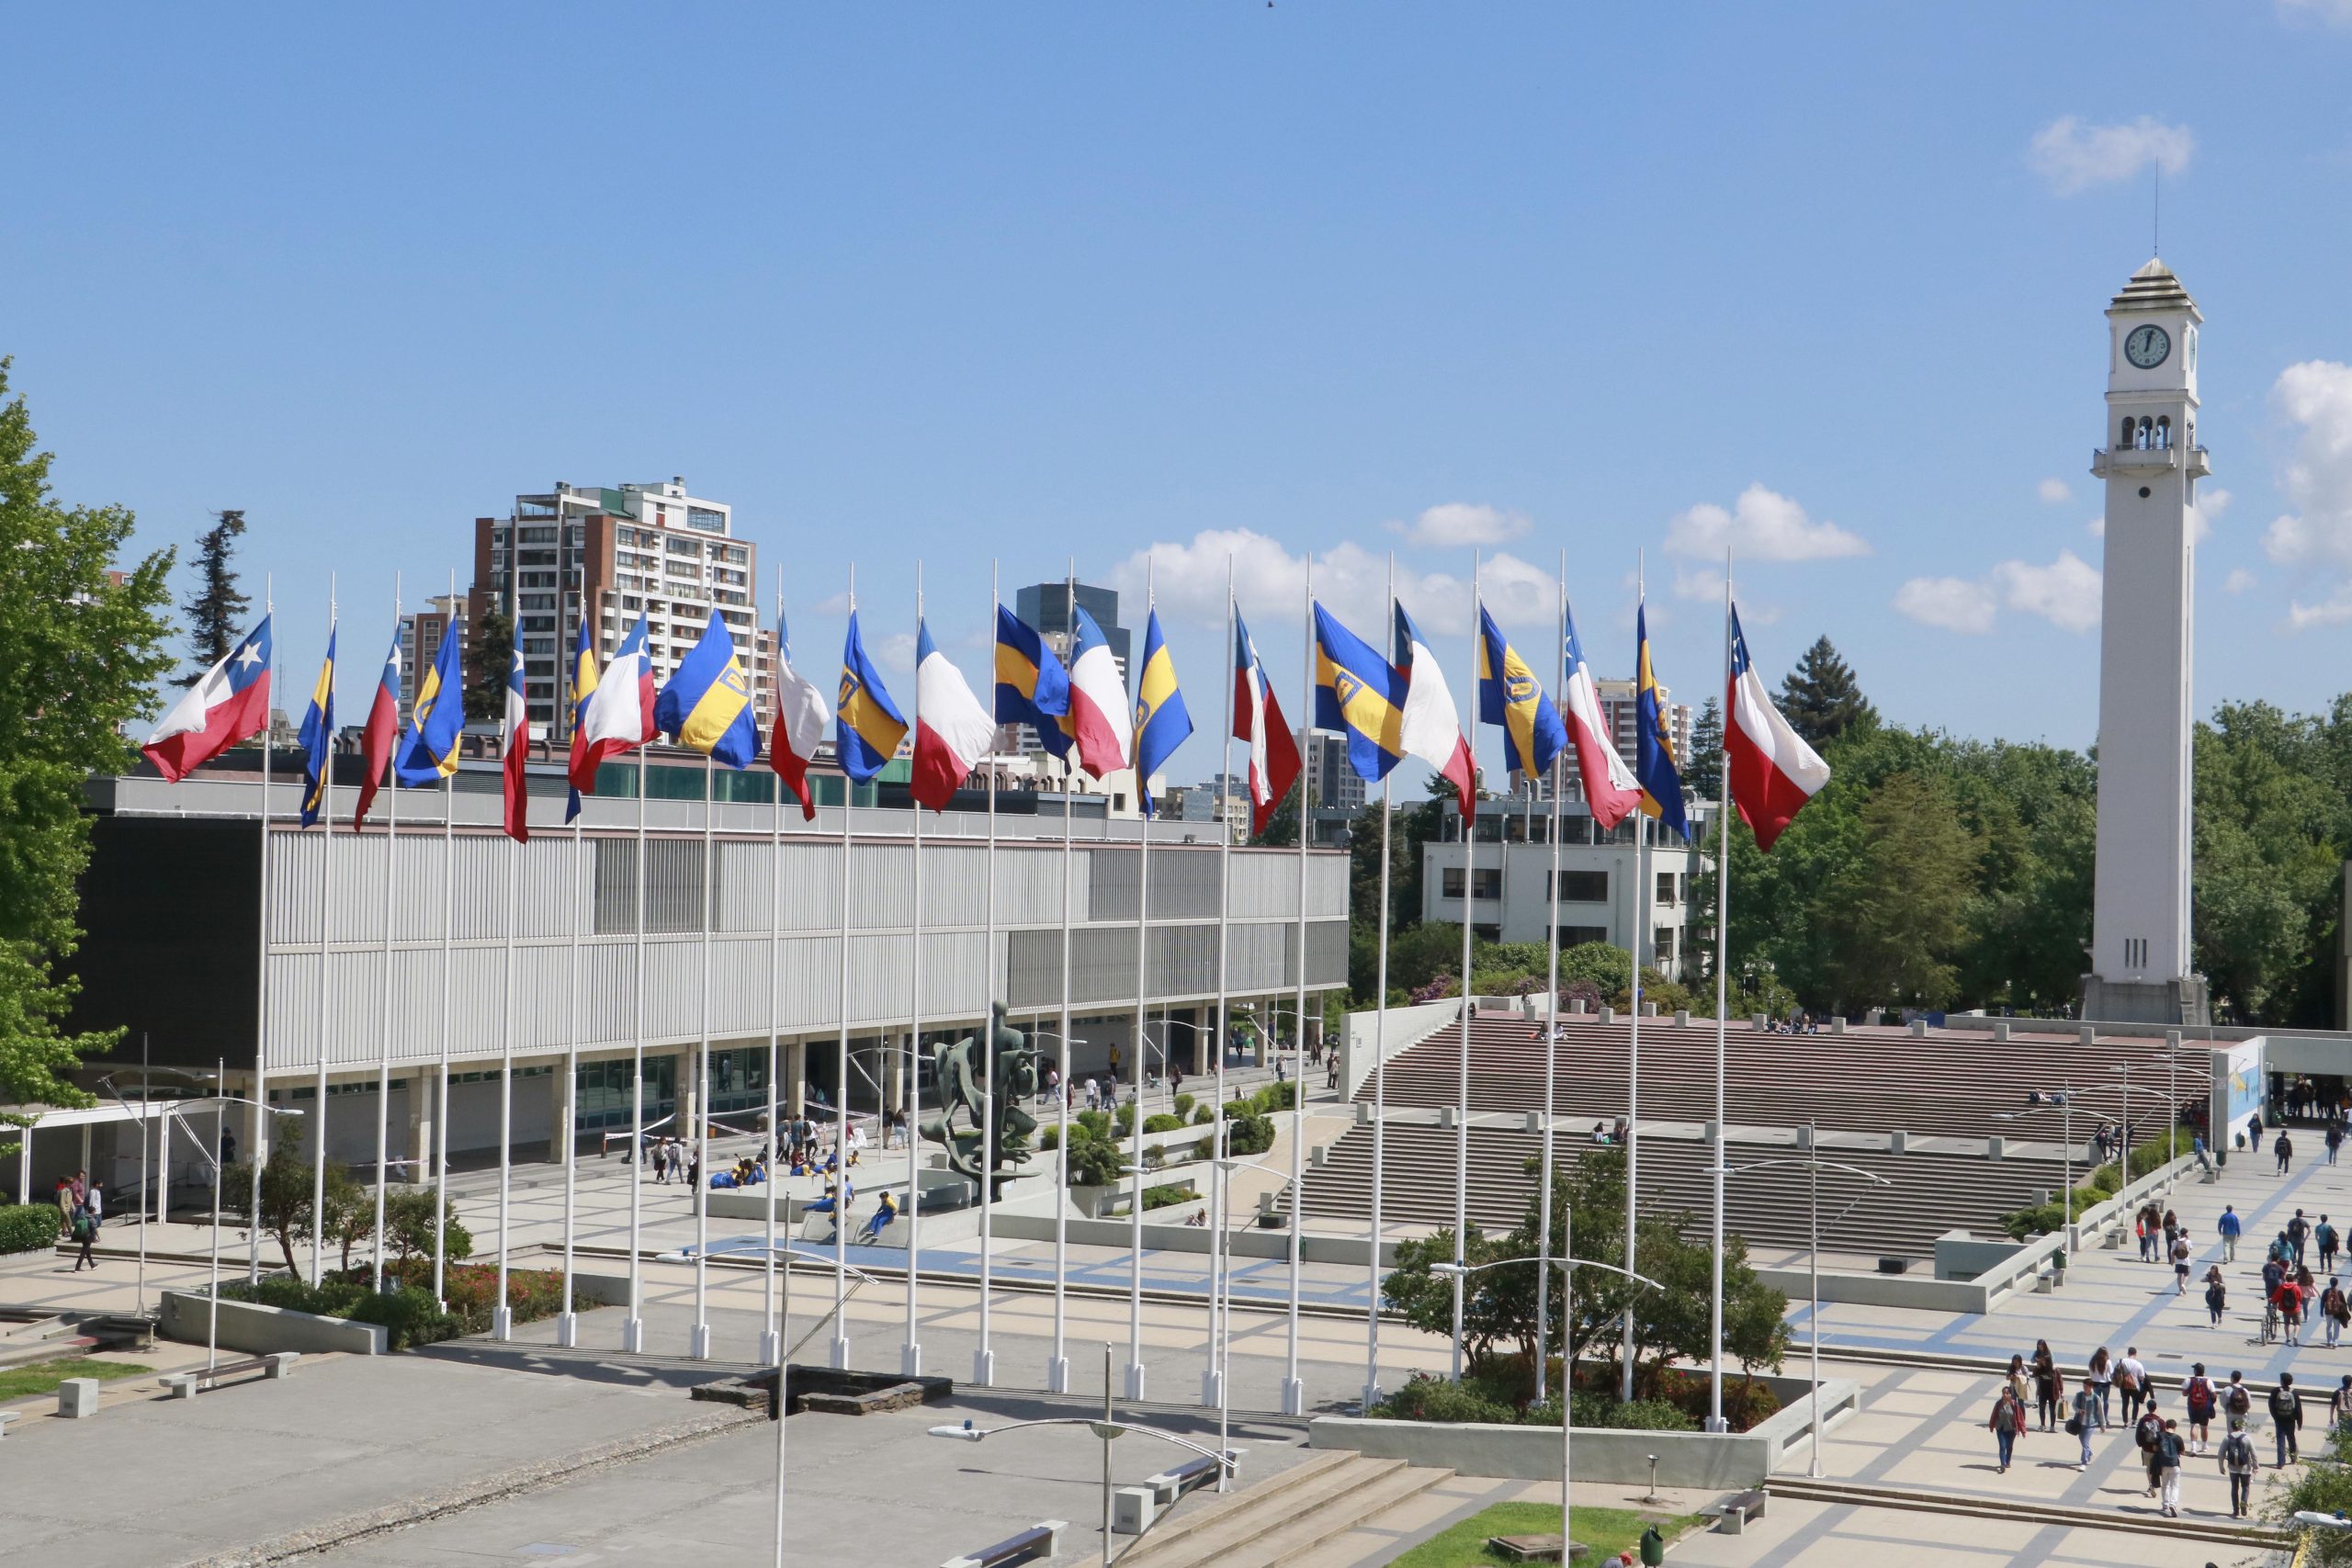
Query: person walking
point(2007, 1420)
point(2334, 1309)
point(95, 1201)
point(85, 1232)
point(2231, 1227)
point(2099, 1378)
point(2146, 1231)
point(2286, 1408)
point(2019, 1381)
point(2335, 1140)
point(2299, 1232)
point(2085, 1416)
point(2180, 1264)
point(2217, 1295)
point(2131, 1382)
point(2237, 1400)
point(2339, 1404)
point(2168, 1465)
point(2285, 1149)
point(2148, 1435)
point(2239, 1463)
point(2049, 1387)
point(2329, 1243)
point(2198, 1397)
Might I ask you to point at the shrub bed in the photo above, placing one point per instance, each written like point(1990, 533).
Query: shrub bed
point(28, 1227)
point(408, 1312)
point(1499, 1397)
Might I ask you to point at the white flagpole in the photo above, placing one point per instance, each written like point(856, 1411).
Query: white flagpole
point(1372, 1390)
point(1294, 1388)
point(984, 1358)
point(841, 1092)
point(1720, 1166)
point(1469, 912)
point(633, 1326)
point(911, 1352)
point(326, 916)
point(440, 1136)
point(1633, 1049)
point(567, 1127)
point(384, 1000)
point(1143, 1039)
point(1058, 1367)
point(502, 1318)
point(1551, 1058)
point(260, 1122)
point(698, 1338)
point(771, 1329)
point(1213, 1380)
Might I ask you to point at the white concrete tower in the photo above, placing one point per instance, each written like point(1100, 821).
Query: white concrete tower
point(2139, 933)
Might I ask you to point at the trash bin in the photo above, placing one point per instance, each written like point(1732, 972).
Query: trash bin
point(1653, 1547)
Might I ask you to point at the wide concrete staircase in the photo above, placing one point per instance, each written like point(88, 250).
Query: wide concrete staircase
point(1283, 1518)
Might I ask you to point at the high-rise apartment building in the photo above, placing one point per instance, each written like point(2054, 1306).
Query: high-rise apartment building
point(421, 634)
point(1047, 606)
point(650, 548)
point(1620, 713)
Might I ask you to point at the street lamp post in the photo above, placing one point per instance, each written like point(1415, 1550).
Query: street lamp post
point(1814, 1163)
point(1221, 1292)
point(1108, 1428)
point(2064, 1104)
point(1568, 1264)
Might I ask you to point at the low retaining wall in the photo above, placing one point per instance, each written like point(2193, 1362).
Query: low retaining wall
point(1713, 1461)
point(1162, 1237)
point(1408, 1027)
point(258, 1330)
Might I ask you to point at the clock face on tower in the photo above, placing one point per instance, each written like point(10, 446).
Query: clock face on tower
point(2147, 346)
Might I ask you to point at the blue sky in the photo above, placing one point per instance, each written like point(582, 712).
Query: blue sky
point(956, 283)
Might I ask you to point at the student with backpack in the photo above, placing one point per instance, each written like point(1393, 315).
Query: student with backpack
point(2180, 1263)
point(85, 1235)
point(2339, 1405)
point(2085, 1417)
point(2217, 1295)
point(2167, 1468)
point(2335, 1309)
point(2286, 1408)
point(2131, 1382)
point(2239, 1463)
point(2149, 1436)
point(2199, 1396)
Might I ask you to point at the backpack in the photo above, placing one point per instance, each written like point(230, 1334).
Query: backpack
point(2200, 1397)
point(2149, 1432)
point(83, 1228)
point(2284, 1406)
point(2240, 1400)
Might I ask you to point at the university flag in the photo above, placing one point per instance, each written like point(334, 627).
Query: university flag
point(1161, 719)
point(953, 731)
point(517, 731)
point(1432, 727)
point(583, 688)
point(1258, 720)
point(228, 704)
point(615, 714)
point(801, 715)
point(1608, 787)
point(707, 706)
point(1654, 762)
point(383, 729)
point(1513, 699)
point(429, 754)
point(1032, 686)
point(1773, 771)
point(1358, 694)
point(1097, 719)
point(316, 736)
point(870, 725)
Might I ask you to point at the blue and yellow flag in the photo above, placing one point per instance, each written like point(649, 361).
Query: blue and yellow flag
point(1161, 719)
point(318, 737)
point(1514, 700)
point(707, 706)
point(1653, 747)
point(870, 726)
point(1360, 694)
point(1032, 687)
point(429, 753)
point(584, 686)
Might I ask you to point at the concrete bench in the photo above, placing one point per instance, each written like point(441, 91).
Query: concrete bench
point(1036, 1544)
point(1734, 1512)
point(276, 1364)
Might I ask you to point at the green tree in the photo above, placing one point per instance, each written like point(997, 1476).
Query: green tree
point(1703, 770)
point(408, 1227)
point(1821, 699)
point(215, 610)
point(1898, 916)
point(285, 1177)
point(489, 657)
point(80, 657)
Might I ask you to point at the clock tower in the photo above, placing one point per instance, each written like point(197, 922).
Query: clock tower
point(2150, 459)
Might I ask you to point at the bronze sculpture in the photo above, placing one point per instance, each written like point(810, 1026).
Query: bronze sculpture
point(973, 1079)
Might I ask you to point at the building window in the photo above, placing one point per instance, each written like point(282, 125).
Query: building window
point(1662, 946)
point(1584, 887)
point(1488, 882)
point(704, 518)
point(1666, 888)
point(1576, 936)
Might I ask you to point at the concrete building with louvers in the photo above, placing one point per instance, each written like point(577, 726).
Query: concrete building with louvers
point(174, 914)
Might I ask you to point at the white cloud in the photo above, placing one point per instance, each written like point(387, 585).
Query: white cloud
point(2238, 582)
point(2053, 489)
point(2073, 155)
point(2065, 593)
point(1458, 523)
point(2317, 480)
point(2214, 503)
point(896, 652)
point(2332, 611)
point(1762, 525)
point(2096, 527)
point(2328, 12)
point(1955, 604)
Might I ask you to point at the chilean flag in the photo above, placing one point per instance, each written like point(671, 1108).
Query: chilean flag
point(519, 752)
point(1258, 720)
point(1772, 772)
point(612, 723)
point(383, 731)
point(1098, 718)
point(801, 715)
point(1609, 785)
point(228, 704)
point(1431, 728)
point(953, 731)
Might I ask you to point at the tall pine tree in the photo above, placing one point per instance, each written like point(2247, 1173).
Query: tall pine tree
point(1821, 699)
point(1703, 770)
point(216, 610)
point(488, 659)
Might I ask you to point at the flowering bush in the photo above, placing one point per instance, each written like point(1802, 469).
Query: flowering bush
point(1435, 988)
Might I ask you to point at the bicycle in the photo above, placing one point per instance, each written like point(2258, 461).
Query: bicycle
point(2270, 1322)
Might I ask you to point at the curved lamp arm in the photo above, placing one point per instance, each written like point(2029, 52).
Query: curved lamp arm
point(971, 1434)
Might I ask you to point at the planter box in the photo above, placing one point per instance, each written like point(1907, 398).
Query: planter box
point(258, 1330)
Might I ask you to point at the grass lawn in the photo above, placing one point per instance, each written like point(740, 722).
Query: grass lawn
point(43, 1377)
point(1607, 1530)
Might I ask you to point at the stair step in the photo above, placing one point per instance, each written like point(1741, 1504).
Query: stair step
point(1301, 1534)
point(1211, 1507)
point(1254, 1515)
point(2188, 1527)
